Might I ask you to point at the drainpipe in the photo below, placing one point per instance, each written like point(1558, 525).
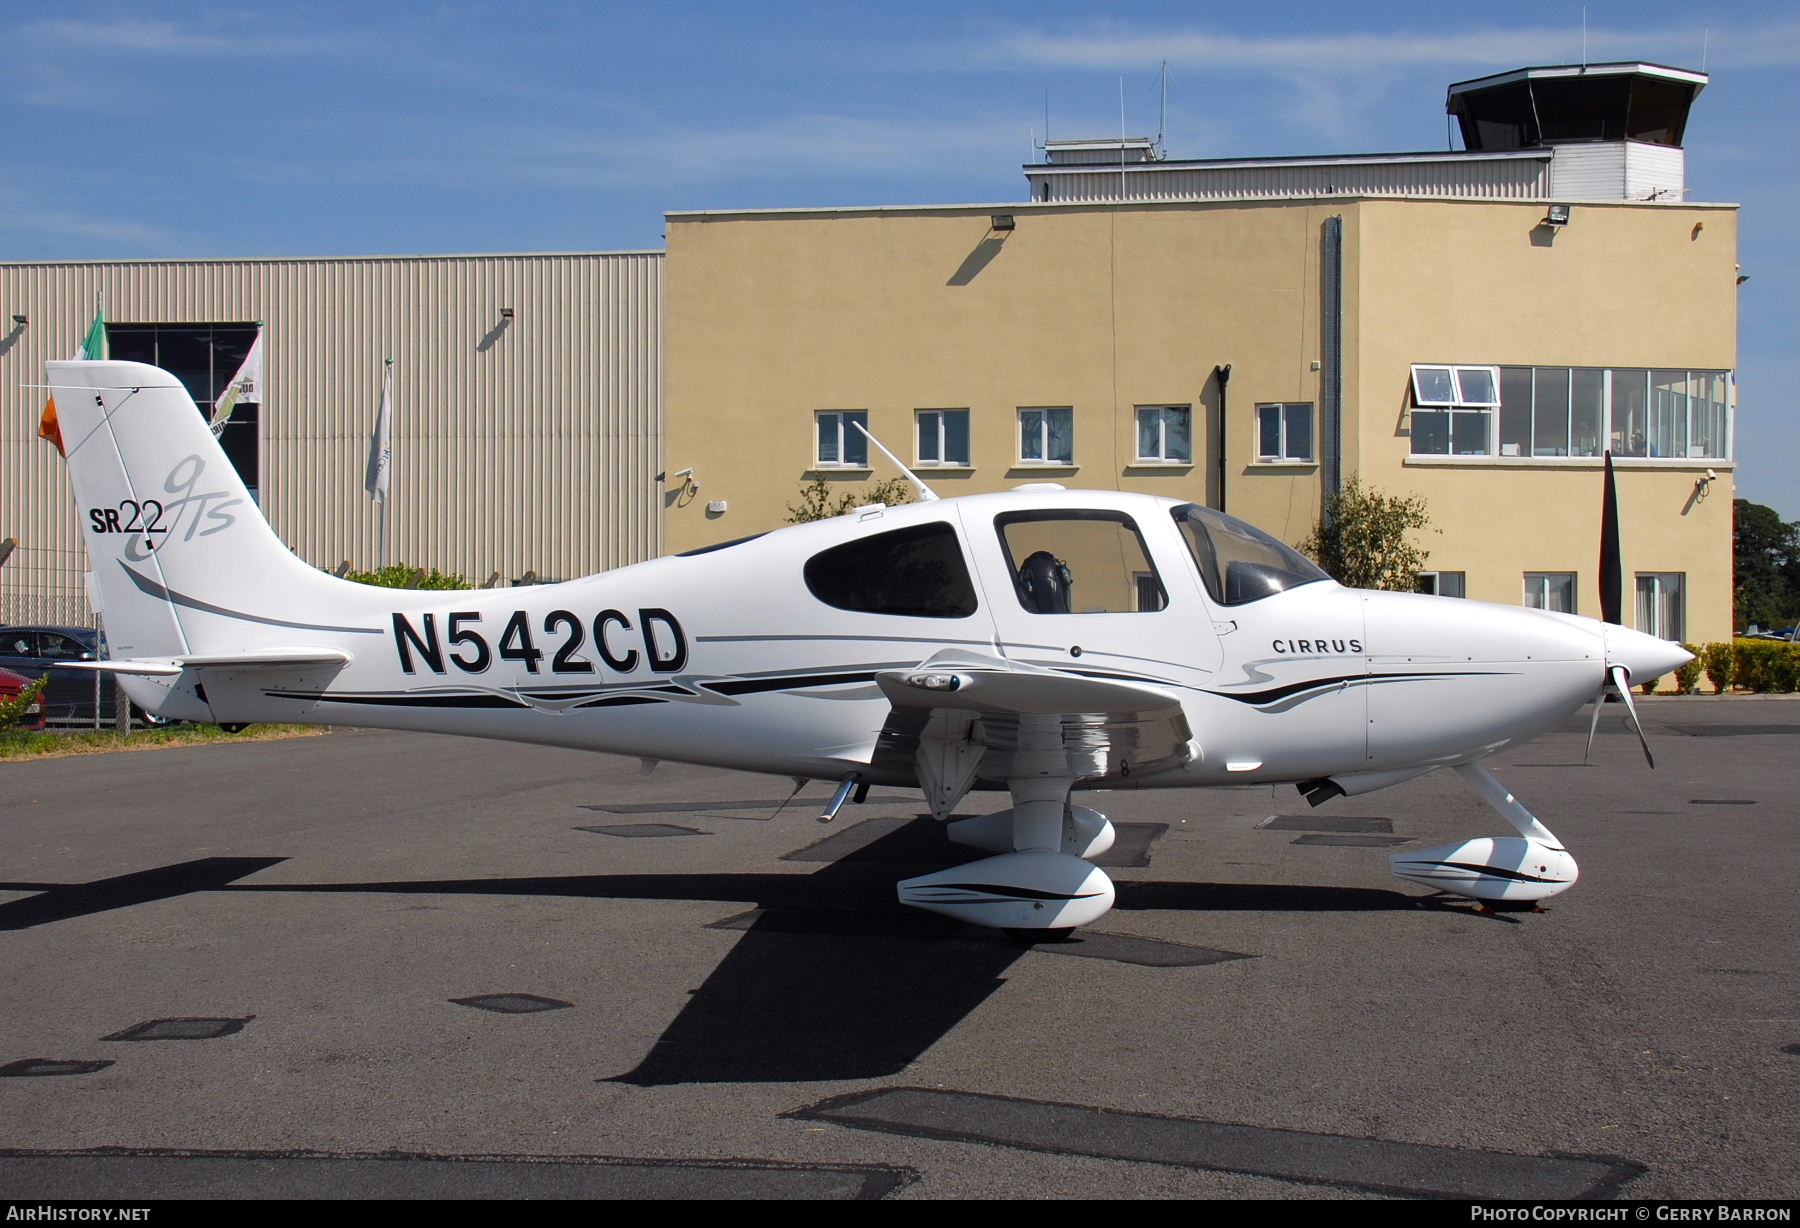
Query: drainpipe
point(1223, 376)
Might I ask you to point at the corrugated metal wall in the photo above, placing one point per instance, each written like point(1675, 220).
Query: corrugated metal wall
point(1518, 178)
point(1619, 170)
point(529, 444)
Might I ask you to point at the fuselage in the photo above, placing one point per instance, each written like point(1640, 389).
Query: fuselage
point(761, 654)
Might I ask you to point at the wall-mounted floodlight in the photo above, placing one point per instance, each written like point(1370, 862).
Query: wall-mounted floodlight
point(1003, 222)
point(506, 313)
point(20, 320)
point(1702, 488)
point(1558, 216)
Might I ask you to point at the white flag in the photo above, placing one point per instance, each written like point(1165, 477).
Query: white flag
point(246, 385)
point(380, 453)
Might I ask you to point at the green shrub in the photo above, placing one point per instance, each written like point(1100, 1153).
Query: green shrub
point(1786, 672)
point(1687, 676)
point(816, 502)
point(1364, 539)
point(1760, 666)
point(1719, 661)
point(403, 575)
point(1766, 666)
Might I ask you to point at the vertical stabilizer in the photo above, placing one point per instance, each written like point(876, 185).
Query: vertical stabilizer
point(182, 559)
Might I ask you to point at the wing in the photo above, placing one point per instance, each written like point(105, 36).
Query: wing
point(962, 719)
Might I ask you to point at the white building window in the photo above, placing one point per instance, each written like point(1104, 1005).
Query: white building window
point(1453, 409)
point(1165, 434)
point(943, 437)
point(1661, 608)
point(1444, 583)
point(841, 445)
point(1550, 590)
point(1573, 411)
point(1047, 435)
point(1284, 434)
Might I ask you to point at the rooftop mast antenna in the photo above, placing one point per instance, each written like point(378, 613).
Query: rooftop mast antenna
point(1584, 36)
point(1162, 119)
point(1121, 138)
point(1705, 41)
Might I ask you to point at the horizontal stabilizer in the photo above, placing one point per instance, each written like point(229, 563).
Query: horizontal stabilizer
point(271, 658)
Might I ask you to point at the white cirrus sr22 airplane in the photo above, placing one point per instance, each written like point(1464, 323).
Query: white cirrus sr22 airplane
point(1040, 641)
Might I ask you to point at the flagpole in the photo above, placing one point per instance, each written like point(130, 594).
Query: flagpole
point(381, 461)
point(387, 513)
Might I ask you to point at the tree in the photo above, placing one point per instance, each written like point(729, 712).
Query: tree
point(816, 502)
point(1766, 561)
point(1364, 538)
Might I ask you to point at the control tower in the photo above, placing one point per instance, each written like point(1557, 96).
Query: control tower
point(1615, 129)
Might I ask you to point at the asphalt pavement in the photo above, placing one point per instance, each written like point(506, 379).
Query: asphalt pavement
point(387, 965)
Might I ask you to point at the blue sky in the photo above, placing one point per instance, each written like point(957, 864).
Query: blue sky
point(210, 128)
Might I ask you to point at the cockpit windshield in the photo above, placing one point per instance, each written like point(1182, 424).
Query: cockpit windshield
point(1239, 564)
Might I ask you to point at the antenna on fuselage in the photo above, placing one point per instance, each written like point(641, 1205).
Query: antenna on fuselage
point(926, 494)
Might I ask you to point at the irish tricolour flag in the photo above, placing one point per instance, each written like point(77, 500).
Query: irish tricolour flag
point(92, 346)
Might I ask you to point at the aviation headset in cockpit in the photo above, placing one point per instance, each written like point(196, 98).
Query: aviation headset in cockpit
point(1045, 584)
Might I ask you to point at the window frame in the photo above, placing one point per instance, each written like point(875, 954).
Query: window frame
point(1162, 412)
point(1659, 580)
point(840, 421)
point(1281, 409)
point(1574, 579)
point(1432, 583)
point(1673, 416)
point(1456, 372)
point(243, 438)
point(943, 461)
point(1044, 437)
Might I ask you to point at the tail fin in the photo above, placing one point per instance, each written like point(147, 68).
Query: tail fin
point(184, 564)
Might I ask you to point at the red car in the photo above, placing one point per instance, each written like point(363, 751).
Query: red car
point(11, 685)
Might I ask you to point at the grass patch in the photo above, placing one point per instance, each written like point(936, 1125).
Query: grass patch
point(23, 744)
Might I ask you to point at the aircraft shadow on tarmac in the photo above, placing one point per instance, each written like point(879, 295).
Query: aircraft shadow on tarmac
point(831, 980)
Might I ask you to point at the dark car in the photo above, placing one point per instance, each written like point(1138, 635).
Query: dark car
point(11, 685)
point(74, 696)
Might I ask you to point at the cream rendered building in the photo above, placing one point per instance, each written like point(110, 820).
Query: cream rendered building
point(1473, 328)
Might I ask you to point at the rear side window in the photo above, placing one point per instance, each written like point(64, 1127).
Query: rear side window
point(916, 572)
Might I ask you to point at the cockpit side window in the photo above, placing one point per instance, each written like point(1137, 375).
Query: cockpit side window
point(915, 572)
point(1239, 564)
point(1079, 562)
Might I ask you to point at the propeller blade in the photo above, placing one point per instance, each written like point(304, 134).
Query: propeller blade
point(1594, 724)
point(1612, 571)
point(1621, 679)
